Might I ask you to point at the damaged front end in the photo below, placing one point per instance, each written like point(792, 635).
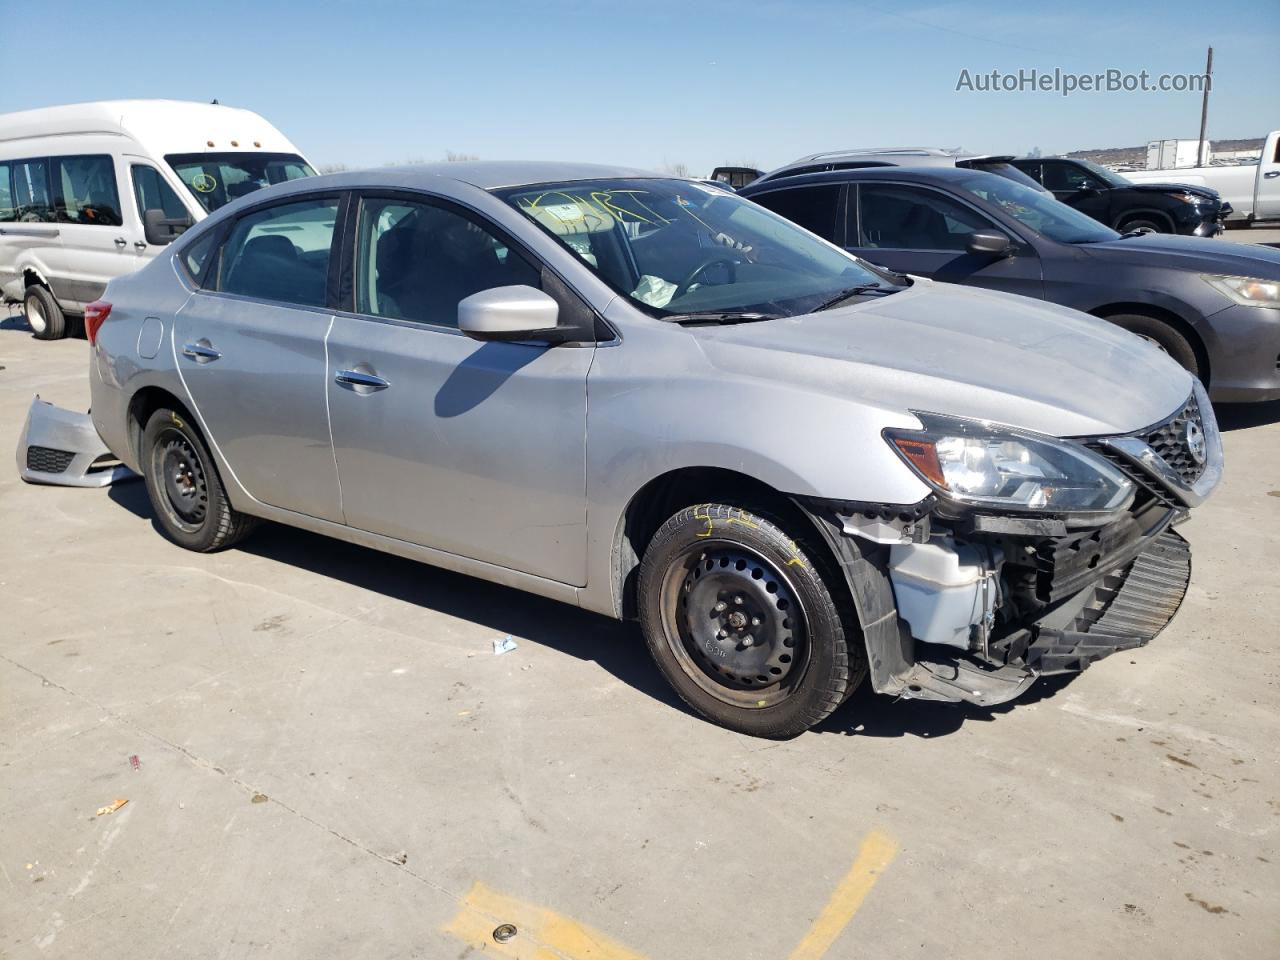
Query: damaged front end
point(964, 598)
point(62, 447)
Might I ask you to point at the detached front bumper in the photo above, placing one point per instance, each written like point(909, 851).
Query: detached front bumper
point(62, 447)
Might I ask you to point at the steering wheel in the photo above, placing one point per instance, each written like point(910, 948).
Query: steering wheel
point(731, 262)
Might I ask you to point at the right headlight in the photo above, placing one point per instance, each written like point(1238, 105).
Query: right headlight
point(1250, 291)
point(981, 465)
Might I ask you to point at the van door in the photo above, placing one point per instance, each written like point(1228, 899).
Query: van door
point(1266, 201)
point(152, 191)
point(96, 244)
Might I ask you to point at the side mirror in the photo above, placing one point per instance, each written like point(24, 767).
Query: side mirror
point(510, 313)
point(159, 230)
point(988, 243)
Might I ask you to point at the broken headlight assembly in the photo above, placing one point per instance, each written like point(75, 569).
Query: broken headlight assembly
point(988, 467)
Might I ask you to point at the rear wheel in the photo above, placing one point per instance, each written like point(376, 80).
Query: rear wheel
point(1163, 336)
point(44, 316)
point(185, 490)
point(742, 621)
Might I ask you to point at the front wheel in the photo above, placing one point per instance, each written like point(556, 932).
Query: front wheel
point(44, 316)
point(743, 622)
point(185, 490)
point(1163, 336)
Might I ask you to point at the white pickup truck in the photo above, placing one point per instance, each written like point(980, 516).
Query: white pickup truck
point(1252, 189)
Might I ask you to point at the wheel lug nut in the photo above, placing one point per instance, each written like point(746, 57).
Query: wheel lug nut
point(748, 641)
point(722, 634)
point(720, 605)
point(738, 598)
point(755, 621)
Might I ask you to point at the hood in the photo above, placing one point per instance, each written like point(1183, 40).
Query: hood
point(955, 350)
point(1207, 192)
point(1199, 254)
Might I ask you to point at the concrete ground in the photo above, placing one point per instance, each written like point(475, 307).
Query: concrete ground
point(322, 757)
point(1268, 233)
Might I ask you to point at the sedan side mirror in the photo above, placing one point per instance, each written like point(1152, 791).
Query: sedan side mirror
point(510, 313)
point(988, 243)
point(159, 230)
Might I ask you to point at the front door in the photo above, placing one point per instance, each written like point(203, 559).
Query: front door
point(923, 231)
point(250, 350)
point(476, 449)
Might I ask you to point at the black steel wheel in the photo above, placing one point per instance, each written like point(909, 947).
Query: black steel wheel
point(186, 493)
point(742, 621)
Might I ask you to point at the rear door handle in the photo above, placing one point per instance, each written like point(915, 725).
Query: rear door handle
point(200, 351)
point(121, 241)
point(358, 378)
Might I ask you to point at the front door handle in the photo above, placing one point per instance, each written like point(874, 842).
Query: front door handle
point(200, 351)
point(120, 242)
point(358, 378)
point(1271, 174)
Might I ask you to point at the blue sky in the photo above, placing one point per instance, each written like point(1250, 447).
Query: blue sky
point(661, 82)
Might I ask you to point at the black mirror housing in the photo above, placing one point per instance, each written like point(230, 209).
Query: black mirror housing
point(988, 243)
point(159, 230)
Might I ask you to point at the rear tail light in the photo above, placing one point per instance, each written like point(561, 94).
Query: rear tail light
point(95, 314)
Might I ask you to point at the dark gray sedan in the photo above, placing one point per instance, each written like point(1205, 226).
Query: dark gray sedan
point(1212, 306)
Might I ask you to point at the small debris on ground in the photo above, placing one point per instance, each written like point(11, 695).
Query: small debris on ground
point(259, 798)
point(112, 807)
point(504, 933)
point(135, 762)
point(402, 858)
point(506, 645)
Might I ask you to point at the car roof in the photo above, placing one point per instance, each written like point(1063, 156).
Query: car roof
point(908, 174)
point(485, 174)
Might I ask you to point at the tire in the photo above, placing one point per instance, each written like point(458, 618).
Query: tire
point(1163, 336)
point(1145, 225)
point(716, 569)
point(186, 493)
point(44, 316)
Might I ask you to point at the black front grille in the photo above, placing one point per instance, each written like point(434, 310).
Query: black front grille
point(48, 460)
point(1170, 441)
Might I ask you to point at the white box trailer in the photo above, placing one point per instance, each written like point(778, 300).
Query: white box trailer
point(1173, 154)
point(91, 191)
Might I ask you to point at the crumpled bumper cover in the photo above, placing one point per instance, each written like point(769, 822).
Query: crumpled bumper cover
point(62, 447)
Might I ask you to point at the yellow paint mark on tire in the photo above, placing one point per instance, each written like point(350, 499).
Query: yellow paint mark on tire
point(878, 851)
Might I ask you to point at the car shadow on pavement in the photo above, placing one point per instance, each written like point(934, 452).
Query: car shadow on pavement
point(1241, 416)
point(617, 647)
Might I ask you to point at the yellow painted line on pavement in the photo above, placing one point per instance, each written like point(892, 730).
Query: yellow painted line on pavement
point(546, 935)
point(543, 934)
point(878, 851)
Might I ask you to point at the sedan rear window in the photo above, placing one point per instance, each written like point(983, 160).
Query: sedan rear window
point(281, 253)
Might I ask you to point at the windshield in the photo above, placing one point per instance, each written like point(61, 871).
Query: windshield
point(676, 247)
point(1038, 210)
point(1002, 169)
point(215, 179)
point(1109, 177)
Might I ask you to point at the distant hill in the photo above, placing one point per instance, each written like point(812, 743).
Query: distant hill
point(1137, 156)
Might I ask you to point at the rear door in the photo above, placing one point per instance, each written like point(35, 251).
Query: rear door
point(476, 449)
point(250, 348)
point(96, 244)
point(920, 230)
point(1077, 187)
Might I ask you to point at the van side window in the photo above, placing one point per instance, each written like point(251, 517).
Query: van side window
point(281, 253)
point(7, 212)
point(31, 191)
point(152, 193)
point(85, 191)
point(415, 262)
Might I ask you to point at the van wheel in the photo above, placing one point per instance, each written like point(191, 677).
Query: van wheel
point(1163, 336)
point(742, 621)
point(185, 490)
point(44, 316)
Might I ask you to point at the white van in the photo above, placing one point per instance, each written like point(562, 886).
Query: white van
point(91, 191)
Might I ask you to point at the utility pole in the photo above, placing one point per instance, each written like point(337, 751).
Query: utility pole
point(1203, 157)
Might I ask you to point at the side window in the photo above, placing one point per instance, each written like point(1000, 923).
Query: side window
point(1066, 176)
point(152, 193)
point(86, 191)
point(281, 253)
point(415, 262)
point(7, 211)
point(31, 200)
point(907, 218)
point(813, 208)
point(1032, 170)
point(195, 255)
